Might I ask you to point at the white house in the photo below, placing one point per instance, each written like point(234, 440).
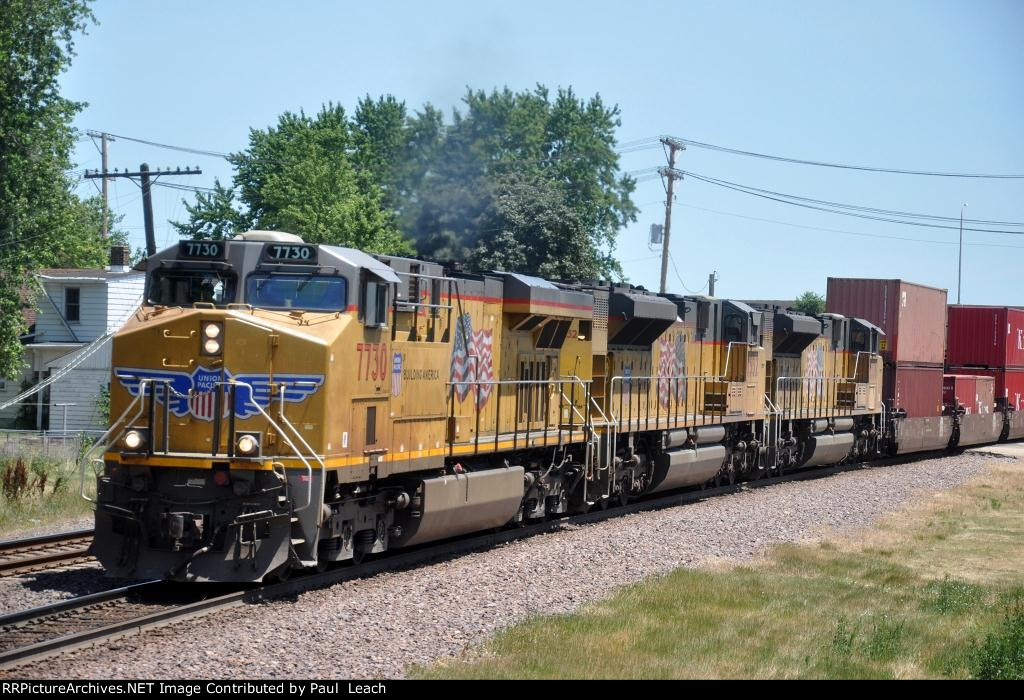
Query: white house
point(76, 310)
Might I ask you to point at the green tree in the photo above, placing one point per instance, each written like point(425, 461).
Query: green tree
point(42, 222)
point(528, 226)
point(810, 303)
point(524, 181)
point(562, 146)
point(299, 177)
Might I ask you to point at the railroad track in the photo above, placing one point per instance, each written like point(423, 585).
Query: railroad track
point(46, 552)
point(34, 635)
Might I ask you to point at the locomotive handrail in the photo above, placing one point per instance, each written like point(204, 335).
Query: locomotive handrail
point(552, 384)
point(676, 378)
point(426, 277)
point(284, 435)
point(284, 419)
point(103, 440)
point(811, 409)
point(592, 442)
point(728, 352)
point(856, 364)
point(583, 385)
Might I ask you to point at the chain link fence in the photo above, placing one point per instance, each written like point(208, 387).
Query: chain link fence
point(52, 444)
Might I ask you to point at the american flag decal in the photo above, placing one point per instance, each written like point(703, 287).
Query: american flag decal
point(396, 374)
point(202, 404)
point(472, 360)
point(672, 366)
point(815, 369)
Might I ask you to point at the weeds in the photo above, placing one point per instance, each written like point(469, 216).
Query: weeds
point(844, 638)
point(35, 489)
point(951, 597)
point(1001, 655)
point(886, 640)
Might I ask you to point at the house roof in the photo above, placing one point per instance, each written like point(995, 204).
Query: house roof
point(82, 274)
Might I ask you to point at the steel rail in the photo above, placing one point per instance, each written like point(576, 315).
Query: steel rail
point(43, 552)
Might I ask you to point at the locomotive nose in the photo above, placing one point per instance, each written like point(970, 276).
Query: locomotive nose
point(224, 409)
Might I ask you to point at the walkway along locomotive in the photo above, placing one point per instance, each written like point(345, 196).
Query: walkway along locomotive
point(280, 405)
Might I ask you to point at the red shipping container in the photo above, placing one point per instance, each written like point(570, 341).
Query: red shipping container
point(916, 390)
point(975, 392)
point(985, 336)
point(1009, 385)
point(913, 316)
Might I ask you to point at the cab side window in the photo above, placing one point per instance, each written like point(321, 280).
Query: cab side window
point(734, 327)
point(375, 303)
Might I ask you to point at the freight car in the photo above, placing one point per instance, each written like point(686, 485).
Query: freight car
point(281, 405)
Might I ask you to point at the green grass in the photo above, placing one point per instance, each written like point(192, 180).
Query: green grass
point(933, 592)
point(36, 491)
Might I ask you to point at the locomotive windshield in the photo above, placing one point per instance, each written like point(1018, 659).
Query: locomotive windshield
point(186, 287)
point(294, 291)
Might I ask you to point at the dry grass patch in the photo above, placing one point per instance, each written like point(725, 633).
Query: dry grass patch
point(932, 592)
point(37, 491)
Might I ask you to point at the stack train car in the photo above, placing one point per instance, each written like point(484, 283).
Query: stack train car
point(279, 405)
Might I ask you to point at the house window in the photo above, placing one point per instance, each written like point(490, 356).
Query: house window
point(72, 304)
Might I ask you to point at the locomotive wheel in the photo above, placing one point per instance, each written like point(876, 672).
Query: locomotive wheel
point(282, 573)
point(362, 545)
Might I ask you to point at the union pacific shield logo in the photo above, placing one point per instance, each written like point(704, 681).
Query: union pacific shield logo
point(195, 393)
point(202, 399)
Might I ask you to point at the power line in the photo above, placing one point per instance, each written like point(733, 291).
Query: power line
point(846, 166)
point(183, 149)
point(832, 208)
point(628, 147)
point(875, 210)
point(843, 231)
point(676, 269)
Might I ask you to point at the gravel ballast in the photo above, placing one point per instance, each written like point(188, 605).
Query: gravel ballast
point(51, 585)
point(40, 588)
point(377, 627)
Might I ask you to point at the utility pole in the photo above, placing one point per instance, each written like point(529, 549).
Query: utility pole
point(104, 138)
point(711, 283)
point(144, 174)
point(672, 174)
point(147, 209)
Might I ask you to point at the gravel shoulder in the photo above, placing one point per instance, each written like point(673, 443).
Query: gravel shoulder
point(377, 627)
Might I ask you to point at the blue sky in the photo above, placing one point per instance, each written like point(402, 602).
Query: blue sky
point(918, 85)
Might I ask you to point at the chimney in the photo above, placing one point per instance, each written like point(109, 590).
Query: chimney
point(120, 258)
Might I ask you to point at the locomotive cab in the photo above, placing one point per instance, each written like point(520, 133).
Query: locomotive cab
point(214, 466)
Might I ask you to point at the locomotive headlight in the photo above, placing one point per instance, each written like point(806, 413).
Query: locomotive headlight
point(134, 439)
point(247, 444)
point(212, 338)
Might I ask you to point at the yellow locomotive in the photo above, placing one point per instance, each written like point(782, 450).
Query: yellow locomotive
point(281, 405)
